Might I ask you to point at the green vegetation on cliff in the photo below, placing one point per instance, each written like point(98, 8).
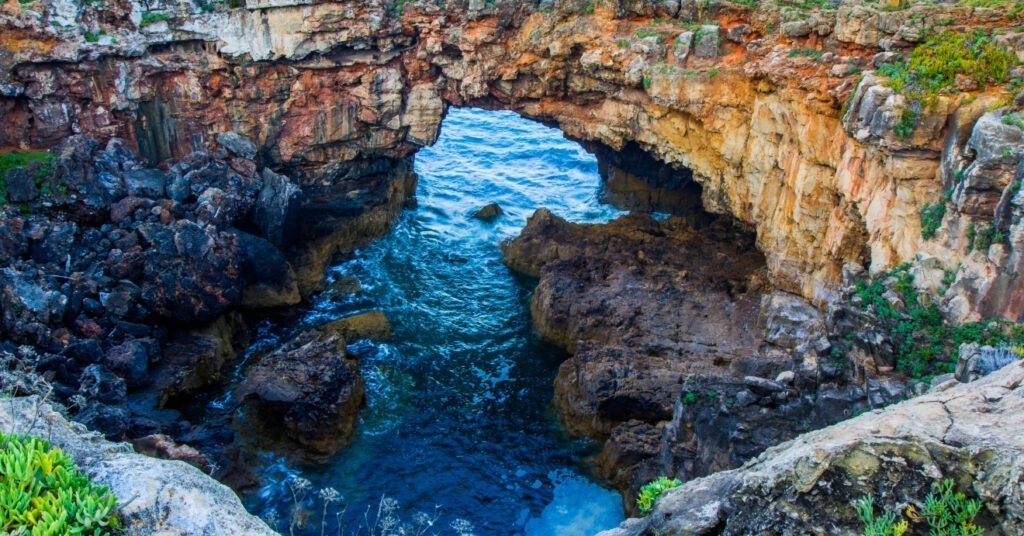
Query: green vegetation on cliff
point(43, 493)
point(41, 161)
point(945, 512)
point(924, 343)
point(932, 67)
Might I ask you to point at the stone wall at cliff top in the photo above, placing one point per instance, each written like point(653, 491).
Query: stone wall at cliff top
point(330, 90)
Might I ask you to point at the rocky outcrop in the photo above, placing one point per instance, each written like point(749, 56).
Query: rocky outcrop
point(156, 496)
point(682, 362)
point(965, 432)
point(308, 391)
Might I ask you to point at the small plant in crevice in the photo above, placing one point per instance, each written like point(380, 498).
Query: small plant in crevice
point(907, 123)
point(884, 525)
point(153, 17)
point(931, 219)
point(650, 492)
point(945, 512)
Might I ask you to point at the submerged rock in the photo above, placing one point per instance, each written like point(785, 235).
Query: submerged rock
point(370, 325)
point(489, 212)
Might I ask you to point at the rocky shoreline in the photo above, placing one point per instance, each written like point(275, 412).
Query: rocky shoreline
point(209, 161)
point(126, 288)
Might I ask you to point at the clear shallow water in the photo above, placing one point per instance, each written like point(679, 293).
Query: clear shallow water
point(458, 428)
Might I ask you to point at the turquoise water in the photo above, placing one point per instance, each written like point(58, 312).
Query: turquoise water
point(458, 435)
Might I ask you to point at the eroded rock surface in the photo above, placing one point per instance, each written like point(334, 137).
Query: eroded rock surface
point(673, 366)
point(309, 391)
point(967, 432)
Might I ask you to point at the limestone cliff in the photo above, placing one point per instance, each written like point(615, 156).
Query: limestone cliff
point(752, 100)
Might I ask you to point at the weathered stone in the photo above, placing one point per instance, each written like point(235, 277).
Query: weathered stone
point(21, 188)
point(148, 183)
point(370, 325)
point(895, 455)
point(156, 496)
point(706, 41)
point(165, 448)
point(237, 144)
point(789, 320)
point(309, 391)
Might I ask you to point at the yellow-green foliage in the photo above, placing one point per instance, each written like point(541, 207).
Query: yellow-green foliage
point(946, 512)
point(933, 66)
point(43, 493)
point(652, 490)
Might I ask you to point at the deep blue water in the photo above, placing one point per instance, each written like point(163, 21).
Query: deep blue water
point(459, 428)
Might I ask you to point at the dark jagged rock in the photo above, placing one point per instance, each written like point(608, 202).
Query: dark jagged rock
point(21, 188)
point(192, 274)
point(489, 212)
point(269, 278)
point(276, 211)
point(309, 391)
point(237, 144)
point(678, 363)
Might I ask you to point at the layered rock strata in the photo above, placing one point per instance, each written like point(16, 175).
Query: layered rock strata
point(751, 100)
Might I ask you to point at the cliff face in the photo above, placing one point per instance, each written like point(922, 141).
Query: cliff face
point(751, 101)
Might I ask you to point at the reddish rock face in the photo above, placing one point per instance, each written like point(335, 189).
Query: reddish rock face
point(335, 92)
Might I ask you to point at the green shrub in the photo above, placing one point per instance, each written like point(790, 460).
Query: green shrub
point(42, 492)
point(924, 344)
point(806, 53)
point(152, 17)
point(1013, 120)
point(652, 490)
point(907, 123)
point(932, 67)
point(947, 513)
point(931, 219)
point(9, 161)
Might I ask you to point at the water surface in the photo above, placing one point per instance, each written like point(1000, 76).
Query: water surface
point(458, 434)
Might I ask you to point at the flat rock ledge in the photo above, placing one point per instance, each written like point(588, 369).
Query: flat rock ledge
point(972, 433)
point(159, 497)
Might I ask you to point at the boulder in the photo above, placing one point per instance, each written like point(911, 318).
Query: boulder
point(237, 144)
point(147, 183)
point(706, 41)
point(191, 274)
point(21, 188)
point(267, 275)
point(276, 213)
point(790, 320)
point(130, 360)
point(489, 212)
point(369, 325)
point(309, 391)
point(157, 496)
